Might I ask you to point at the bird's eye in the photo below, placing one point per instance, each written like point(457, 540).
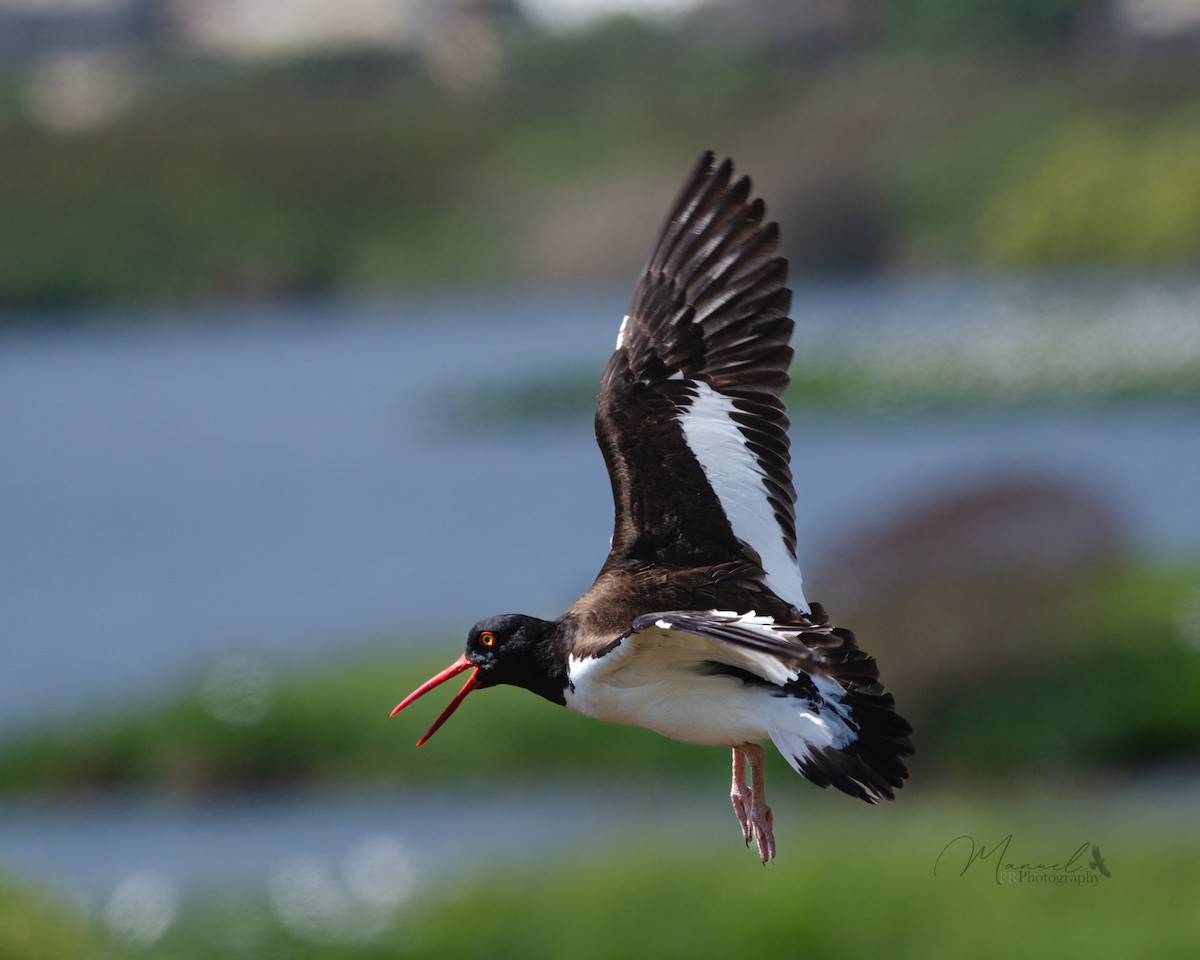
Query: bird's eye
point(487, 638)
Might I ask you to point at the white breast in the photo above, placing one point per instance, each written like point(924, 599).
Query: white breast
point(657, 679)
point(673, 700)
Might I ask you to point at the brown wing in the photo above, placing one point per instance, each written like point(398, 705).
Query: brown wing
point(709, 309)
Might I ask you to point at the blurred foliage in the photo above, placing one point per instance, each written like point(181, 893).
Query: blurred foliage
point(278, 187)
point(1099, 190)
point(862, 884)
point(1075, 339)
point(506, 405)
point(357, 172)
point(1119, 692)
point(350, 172)
point(939, 378)
point(35, 925)
point(690, 906)
point(930, 25)
point(330, 724)
point(1047, 703)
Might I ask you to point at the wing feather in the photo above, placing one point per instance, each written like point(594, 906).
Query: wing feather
point(703, 356)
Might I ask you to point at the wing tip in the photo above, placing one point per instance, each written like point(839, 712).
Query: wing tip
point(870, 774)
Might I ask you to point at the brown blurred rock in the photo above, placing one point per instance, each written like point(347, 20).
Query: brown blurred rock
point(970, 582)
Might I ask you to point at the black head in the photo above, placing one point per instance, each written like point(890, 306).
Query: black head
point(509, 648)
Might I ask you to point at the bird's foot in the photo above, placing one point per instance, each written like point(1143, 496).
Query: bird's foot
point(761, 822)
point(742, 805)
point(750, 802)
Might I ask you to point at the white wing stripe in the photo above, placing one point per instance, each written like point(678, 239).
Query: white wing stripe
point(736, 478)
point(621, 332)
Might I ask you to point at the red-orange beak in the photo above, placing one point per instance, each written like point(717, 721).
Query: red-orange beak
point(457, 667)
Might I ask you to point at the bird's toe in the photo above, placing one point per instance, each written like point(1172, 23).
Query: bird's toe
point(763, 821)
point(742, 807)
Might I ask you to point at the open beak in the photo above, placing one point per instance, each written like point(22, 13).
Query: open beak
point(457, 667)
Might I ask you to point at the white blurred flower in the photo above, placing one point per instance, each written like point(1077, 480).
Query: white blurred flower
point(1187, 619)
point(308, 898)
point(237, 690)
point(142, 907)
point(380, 871)
point(315, 902)
point(78, 90)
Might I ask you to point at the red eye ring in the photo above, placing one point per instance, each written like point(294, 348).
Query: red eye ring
point(487, 638)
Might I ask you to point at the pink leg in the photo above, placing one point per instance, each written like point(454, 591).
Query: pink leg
point(750, 802)
point(740, 794)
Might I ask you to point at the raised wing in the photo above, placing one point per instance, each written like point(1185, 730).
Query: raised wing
point(689, 417)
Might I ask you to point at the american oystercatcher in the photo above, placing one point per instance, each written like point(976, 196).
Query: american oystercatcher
point(697, 626)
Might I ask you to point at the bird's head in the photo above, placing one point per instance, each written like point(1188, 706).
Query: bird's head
point(503, 649)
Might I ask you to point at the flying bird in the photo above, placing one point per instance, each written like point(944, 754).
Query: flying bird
point(697, 626)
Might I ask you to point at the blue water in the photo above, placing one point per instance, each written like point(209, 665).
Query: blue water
point(281, 481)
point(91, 847)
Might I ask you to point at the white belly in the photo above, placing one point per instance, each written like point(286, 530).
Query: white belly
point(672, 700)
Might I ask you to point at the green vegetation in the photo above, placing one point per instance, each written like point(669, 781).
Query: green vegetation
point(358, 173)
point(1120, 692)
point(330, 724)
point(37, 926)
point(352, 173)
point(1099, 189)
point(849, 891)
point(930, 25)
point(513, 404)
point(1113, 344)
point(863, 884)
point(1132, 639)
point(273, 189)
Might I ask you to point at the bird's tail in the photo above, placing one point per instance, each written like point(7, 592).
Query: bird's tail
point(848, 735)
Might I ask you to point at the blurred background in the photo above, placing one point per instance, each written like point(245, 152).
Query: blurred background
point(302, 311)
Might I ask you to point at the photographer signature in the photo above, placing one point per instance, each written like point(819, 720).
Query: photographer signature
point(965, 851)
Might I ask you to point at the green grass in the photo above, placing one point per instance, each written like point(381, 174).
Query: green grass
point(1099, 189)
point(509, 405)
point(1086, 351)
point(865, 891)
point(942, 381)
point(1115, 690)
point(850, 881)
point(1120, 693)
point(328, 724)
point(37, 925)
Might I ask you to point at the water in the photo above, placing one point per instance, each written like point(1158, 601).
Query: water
point(282, 481)
point(408, 840)
point(92, 848)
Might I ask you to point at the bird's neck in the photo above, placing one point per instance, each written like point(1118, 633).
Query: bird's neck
point(548, 677)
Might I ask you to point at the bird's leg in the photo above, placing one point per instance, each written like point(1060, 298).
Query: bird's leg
point(750, 803)
point(761, 818)
point(739, 793)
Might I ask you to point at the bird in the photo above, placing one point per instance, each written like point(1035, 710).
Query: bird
point(696, 625)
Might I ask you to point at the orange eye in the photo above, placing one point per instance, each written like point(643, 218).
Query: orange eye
point(487, 638)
